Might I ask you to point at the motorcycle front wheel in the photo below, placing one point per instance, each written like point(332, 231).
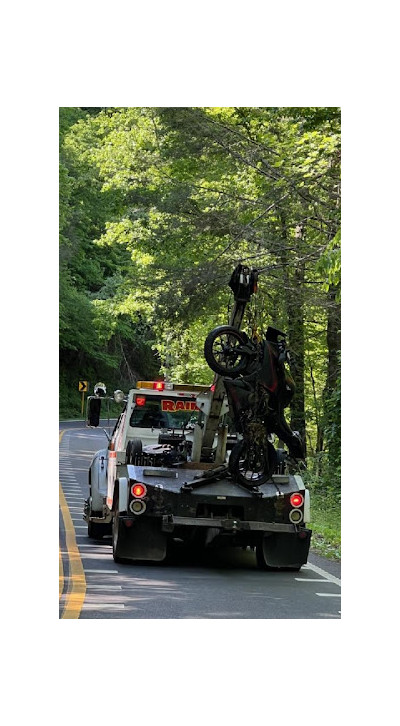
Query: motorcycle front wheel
point(222, 351)
point(251, 464)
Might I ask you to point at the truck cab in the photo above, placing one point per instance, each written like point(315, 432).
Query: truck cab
point(159, 408)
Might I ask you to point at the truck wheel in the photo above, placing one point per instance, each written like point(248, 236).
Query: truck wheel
point(95, 530)
point(116, 535)
point(262, 565)
point(260, 557)
point(261, 552)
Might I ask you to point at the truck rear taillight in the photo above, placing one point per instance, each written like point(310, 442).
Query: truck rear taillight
point(296, 500)
point(138, 490)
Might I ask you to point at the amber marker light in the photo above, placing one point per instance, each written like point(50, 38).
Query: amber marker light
point(295, 516)
point(137, 506)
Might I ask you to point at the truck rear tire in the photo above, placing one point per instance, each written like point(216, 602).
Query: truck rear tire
point(261, 561)
point(264, 554)
point(96, 530)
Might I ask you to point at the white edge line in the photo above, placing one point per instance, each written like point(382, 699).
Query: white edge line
point(103, 572)
point(90, 545)
point(104, 587)
point(310, 579)
point(328, 576)
point(93, 606)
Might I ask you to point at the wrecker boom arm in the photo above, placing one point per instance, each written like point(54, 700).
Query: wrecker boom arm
point(243, 283)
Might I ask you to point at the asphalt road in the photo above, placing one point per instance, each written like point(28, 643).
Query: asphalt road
point(222, 585)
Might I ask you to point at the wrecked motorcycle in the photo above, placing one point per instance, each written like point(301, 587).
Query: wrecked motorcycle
point(259, 388)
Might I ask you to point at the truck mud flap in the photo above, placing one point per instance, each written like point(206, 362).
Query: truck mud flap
point(286, 549)
point(142, 541)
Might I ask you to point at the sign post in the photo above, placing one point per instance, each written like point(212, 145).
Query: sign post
point(83, 387)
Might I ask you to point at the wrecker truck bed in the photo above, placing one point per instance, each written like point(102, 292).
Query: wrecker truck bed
point(182, 503)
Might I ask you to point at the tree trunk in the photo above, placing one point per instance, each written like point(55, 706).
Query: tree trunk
point(296, 342)
point(333, 339)
point(294, 296)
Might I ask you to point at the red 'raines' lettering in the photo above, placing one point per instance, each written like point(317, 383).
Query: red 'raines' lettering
point(167, 405)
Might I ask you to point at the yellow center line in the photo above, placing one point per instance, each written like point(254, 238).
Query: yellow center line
point(61, 575)
point(77, 591)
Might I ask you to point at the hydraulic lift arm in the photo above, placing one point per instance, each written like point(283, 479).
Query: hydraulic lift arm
point(243, 283)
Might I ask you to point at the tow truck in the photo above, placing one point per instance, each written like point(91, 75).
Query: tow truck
point(163, 478)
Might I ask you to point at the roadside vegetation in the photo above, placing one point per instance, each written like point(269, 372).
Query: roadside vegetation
point(325, 525)
point(157, 206)
point(325, 522)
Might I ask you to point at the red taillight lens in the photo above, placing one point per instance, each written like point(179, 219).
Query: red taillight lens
point(140, 400)
point(158, 385)
point(296, 500)
point(138, 490)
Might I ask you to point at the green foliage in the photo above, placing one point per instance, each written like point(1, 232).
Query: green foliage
point(333, 433)
point(329, 264)
point(323, 481)
point(325, 525)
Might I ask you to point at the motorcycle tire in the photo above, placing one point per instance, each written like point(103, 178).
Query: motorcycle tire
point(252, 465)
point(219, 351)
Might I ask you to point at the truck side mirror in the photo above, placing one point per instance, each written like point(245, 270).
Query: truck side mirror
point(93, 411)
